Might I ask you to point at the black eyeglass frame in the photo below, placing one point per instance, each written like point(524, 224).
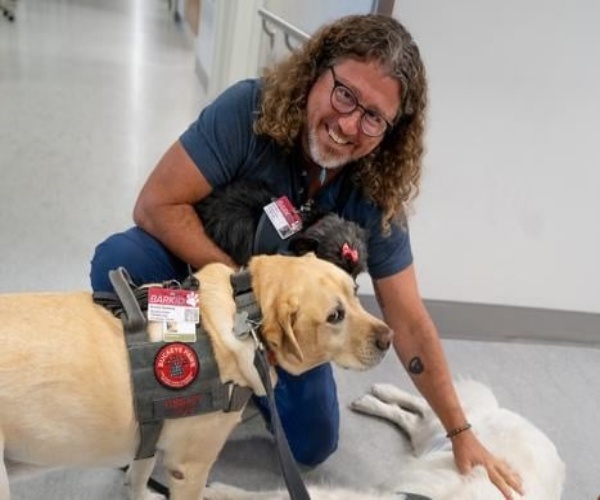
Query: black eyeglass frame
point(357, 105)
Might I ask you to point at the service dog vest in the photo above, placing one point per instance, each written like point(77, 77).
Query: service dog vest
point(169, 379)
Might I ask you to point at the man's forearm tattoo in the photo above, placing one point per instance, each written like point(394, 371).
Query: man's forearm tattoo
point(416, 366)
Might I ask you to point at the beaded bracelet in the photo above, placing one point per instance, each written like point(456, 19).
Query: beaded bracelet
point(458, 430)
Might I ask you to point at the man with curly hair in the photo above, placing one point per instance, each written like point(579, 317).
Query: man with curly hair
point(339, 124)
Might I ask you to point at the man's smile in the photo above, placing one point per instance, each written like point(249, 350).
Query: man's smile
point(337, 138)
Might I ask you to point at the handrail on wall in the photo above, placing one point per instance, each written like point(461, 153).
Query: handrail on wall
point(289, 30)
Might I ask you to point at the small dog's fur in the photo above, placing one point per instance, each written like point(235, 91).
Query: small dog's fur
point(432, 471)
point(230, 217)
point(65, 390)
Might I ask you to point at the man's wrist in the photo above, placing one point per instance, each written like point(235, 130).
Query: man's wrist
point(457, 431)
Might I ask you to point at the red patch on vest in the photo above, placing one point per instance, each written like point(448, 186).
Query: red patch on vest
point(176, 365)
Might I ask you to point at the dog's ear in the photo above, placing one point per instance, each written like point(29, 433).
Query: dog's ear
point(286, 317)
point(302, 245)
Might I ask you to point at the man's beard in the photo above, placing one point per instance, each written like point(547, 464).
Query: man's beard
point(321, 156)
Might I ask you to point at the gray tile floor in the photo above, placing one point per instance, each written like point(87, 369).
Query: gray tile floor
point(91, 94)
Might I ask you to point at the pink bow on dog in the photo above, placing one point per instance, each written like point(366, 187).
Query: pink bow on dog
point(350, 254)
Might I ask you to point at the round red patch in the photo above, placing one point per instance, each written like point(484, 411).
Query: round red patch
point(176, 365)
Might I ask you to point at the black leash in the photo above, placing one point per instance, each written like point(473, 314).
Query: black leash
point(154, 485)
point(291, 474)
point(247, 321)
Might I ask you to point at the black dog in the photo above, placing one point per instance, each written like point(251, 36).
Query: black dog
point(232, 215)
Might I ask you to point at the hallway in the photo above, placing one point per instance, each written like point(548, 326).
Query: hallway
point(92, 92)
point(91, 95)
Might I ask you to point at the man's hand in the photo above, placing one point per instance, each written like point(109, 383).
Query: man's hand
point(469, 452)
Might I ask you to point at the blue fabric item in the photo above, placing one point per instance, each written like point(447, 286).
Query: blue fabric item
point(267, 240)
point(309, 412)
point(221, 142)
point(143, 256)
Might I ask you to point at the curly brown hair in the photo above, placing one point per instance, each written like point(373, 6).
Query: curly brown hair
point(390, 174)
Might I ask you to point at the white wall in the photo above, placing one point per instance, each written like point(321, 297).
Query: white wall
point(227, 47)
point(510, 205)
point(509, 211)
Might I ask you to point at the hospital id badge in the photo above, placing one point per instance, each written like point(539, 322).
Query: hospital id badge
point(284, 217)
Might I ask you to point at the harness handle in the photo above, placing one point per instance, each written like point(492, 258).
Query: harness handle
point(134, 320)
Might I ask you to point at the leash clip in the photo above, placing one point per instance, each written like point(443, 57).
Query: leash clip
point(241, 325)
point(244, 327)
point(257, 342)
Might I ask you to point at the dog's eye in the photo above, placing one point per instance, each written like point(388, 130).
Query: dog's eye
point(336, 316)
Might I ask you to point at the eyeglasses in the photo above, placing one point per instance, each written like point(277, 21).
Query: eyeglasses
point(344, 101)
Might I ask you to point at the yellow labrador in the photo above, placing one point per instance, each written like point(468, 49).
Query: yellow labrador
point(65, 389)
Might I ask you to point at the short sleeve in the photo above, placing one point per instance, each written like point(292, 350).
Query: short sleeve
point(388, 254)
point(220, 140)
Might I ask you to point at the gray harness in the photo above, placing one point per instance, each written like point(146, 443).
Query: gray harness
point(153, 401)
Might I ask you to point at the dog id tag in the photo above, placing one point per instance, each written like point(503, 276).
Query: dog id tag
point(177, 310)
point(182, 331)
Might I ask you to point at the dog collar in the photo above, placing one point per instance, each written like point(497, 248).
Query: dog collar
point(248, 315)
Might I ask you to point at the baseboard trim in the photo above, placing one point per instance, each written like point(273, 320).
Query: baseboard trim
point(497, 323)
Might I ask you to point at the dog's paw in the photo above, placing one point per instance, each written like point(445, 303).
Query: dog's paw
point(367, 404)
point(371, 405)
point(391, 394)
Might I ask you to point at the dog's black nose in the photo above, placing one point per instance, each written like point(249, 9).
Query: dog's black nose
point(383, 338)
point(382, 345)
